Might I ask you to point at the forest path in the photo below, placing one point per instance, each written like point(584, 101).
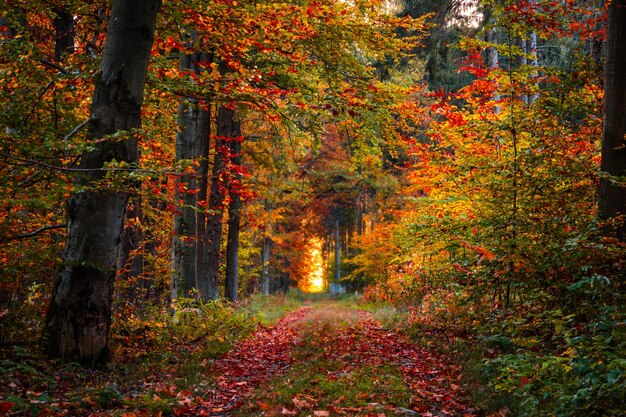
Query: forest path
point(329, 359)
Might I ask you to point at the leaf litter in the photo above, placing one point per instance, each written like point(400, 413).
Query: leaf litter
point(346, 342)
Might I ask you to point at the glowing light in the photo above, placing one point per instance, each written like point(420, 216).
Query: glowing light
point(315, 278)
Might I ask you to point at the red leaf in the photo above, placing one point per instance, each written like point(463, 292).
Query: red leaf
point(5, 406)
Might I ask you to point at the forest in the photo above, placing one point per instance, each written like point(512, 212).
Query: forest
point(312, 208)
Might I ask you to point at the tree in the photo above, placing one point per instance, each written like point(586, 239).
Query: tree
point(192, 144)
point(265, 263)
point(234, 219)
point(227, 130)
point(612, 193)
point(79, 315)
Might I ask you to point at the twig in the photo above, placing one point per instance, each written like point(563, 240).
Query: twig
point(33, 233)
point(65, 169)
point(76, 130)
point(46, 88)
point(53, 65)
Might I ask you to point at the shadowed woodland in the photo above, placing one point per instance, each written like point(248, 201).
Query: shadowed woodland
point(312, 208)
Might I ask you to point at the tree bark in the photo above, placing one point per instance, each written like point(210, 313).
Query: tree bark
point(531, 49)
point(226, 128)
point(492, 57)
point(265, 262)
point(531, 45)
point(79, 315)
point(612, 195)
point(522, 61)
point(64, 38)
point(234, 221)
point(192, 142)
point(337, 253)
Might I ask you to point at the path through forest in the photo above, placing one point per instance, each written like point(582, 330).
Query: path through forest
point(330, 360)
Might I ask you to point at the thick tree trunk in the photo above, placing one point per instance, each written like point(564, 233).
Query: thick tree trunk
point(202, 260)
point(234, 220)
point(192, 143)
point(226, 128)
point(79, 315)
point(612, 195)
point(265, 263)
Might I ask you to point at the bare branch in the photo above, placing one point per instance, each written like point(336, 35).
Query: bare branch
point(76, 130)
point(53, 65)
point(33, 233)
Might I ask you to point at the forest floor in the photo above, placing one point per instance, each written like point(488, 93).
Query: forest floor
point(325, 358)
point(331, 360)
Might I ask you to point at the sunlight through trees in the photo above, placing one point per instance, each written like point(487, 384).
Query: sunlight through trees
point(315, 281)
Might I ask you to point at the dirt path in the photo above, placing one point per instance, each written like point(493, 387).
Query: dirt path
point(330, 360)
point(247, 366)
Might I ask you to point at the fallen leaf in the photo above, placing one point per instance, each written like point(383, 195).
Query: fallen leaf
point(264, 406)
point(321, 413)
point(5, 406)
point(300, 403)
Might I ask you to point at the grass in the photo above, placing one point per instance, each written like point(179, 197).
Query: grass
point(268, 309)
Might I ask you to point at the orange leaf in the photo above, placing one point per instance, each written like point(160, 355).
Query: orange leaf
point(264, 406)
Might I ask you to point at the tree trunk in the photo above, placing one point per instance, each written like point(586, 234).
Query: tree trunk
point(492, 58)
point(337, 253)
point(532, 50)
point(191, 144)
point(79, 315)
point(226, 128)
point(359, 215)
point(132, 237)
point(265, 262)
point(522, 61)
point(234, 220)
point(612, 195)
point(63, 28)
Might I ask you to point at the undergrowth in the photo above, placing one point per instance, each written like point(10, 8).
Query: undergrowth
point(157, 356)
point(529, 361)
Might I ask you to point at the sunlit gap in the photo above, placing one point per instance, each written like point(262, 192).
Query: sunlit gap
point(467, 14)
point(314, 281)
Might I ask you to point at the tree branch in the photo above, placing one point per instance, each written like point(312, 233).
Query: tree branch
point(76, 130)
point(53, 65)
point(33, 233)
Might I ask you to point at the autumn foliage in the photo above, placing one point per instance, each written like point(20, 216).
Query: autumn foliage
point(443, 163)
